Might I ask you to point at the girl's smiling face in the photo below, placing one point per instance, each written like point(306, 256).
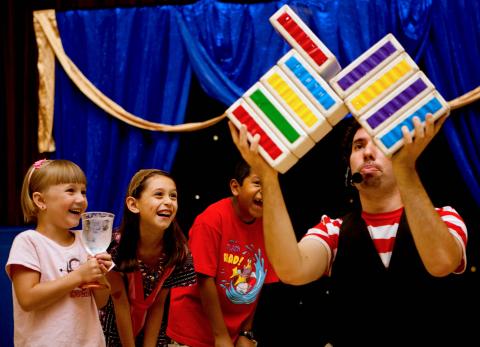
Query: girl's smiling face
point(62, 204)
point(158, 203)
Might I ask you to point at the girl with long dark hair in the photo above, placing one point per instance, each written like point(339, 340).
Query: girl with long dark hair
point(151, 256)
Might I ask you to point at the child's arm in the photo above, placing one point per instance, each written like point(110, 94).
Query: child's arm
point(154, 319)
point(34, 295)
point(213, 311)
point(242, 340)
point(122, 309)
point(102, 294)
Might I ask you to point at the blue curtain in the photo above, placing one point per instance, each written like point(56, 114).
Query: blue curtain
point(230, 46)
point(143, 57)
point(136, 57)
point(451, 62)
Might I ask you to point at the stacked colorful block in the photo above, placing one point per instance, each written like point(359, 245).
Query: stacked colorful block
point(292, 107)
point(299, 100)
point(271, 148)
point(384, 89)
point(313, 86)
point(304, 41)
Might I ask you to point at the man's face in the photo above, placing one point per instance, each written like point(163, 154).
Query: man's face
point(370, 161)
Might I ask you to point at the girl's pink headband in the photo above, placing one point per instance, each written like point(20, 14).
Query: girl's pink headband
point(36, 166)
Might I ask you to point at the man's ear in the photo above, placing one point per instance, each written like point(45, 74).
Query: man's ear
point(132, 204)
point(235, 187)
point(38, 200)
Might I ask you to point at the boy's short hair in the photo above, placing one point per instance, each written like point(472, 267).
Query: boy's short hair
point(241, 171)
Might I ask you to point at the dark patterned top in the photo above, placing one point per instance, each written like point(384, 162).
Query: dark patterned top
point(183, 275)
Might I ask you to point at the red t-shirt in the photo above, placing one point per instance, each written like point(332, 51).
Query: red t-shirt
point(233, 253)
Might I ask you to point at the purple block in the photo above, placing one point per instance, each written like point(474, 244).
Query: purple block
point(367, 65)
point(396, 103)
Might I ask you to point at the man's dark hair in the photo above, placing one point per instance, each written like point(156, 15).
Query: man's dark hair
point(242, 170)
point(351, 127)
point(351, 194)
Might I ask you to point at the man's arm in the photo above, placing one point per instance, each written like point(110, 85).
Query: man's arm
point(213, 311)
point(439, 250)
point(307, 260)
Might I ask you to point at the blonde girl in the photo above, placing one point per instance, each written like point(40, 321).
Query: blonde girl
point(48, 264)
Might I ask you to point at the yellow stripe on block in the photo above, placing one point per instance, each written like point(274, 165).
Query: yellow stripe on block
point(292, 99)
point(385, 81)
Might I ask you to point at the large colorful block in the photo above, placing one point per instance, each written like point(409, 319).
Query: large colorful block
point(301, 37)
point(390, 139)
point(381, 84)
point(315, 88)
point(271, 148)
point(278, 119)
point(292, 106)
point(298, 105)
point(393, 106)
point(366, 65)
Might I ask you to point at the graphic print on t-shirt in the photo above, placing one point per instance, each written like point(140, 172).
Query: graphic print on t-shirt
point(244, 271)
point(71, 265)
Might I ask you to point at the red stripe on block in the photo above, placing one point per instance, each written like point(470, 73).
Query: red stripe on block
point(253, 128)
point(302, 39)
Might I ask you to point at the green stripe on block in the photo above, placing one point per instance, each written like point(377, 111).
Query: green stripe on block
point(274, 115)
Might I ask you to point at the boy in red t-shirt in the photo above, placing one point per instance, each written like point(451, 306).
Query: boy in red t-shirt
point(228, 249)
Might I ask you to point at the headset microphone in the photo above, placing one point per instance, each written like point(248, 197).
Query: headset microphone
point(357, 177)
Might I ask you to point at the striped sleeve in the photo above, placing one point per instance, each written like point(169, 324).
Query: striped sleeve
point(458, 229)
point(326, 231)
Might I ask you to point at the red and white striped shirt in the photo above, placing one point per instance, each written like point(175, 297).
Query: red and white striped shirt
point(383, 230)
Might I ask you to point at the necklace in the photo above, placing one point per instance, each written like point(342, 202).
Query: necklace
point(152, 273)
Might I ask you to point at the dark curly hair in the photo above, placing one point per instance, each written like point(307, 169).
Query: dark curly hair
point(351, 127)
point(351, 194)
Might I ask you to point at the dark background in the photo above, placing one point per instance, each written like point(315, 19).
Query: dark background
point(286, 315)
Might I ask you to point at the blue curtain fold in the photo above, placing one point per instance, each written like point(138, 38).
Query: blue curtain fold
point(143, 57)
point(451, 62)
point(229, 45)
point(135, 56)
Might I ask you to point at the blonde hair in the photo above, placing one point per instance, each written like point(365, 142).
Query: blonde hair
point(42, 175)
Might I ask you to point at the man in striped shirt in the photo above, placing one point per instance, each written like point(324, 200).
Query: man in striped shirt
point(388, 261)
